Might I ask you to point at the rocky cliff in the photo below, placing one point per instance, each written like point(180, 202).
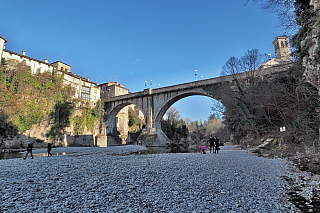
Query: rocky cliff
point(38, 135)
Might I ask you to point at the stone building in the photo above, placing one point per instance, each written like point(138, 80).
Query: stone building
point(11, 58)
point(111, 89)
point(282, 51)
point(59, 65)
point(282, 48)
point(82, 88)
point(2, 45)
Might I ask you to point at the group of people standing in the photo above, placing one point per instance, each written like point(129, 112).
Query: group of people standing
point(214, 144)
point(30, 147)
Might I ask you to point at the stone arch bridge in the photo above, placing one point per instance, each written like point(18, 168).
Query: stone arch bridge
point(155, 102)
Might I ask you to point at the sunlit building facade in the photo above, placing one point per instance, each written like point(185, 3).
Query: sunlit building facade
point(82, 88)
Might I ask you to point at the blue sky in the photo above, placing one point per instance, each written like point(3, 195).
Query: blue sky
point(140, 40)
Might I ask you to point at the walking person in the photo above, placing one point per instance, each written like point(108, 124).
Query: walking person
point(49, 149)
point(29, 150)
point(216, 144)
point(211, 143)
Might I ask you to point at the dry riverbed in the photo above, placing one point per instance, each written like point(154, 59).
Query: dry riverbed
point(113, 180)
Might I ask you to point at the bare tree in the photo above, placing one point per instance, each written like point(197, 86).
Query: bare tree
point(218, 109)
point(241, 113)
point(232, 66)
point(251, 60)
point(285, 10)
point(173, 115)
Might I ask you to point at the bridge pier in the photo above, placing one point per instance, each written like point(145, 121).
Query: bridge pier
point(154, 137)
point(113, 138)
point(148, 116)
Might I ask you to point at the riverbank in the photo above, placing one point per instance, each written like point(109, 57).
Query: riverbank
point(74, 150)
point(112, 180)
point(304, 182)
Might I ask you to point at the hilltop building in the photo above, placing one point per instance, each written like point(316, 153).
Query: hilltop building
point(282, 51)
point(111, 89)
point(83, 88)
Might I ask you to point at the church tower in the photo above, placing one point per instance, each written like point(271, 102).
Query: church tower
point(282, 48)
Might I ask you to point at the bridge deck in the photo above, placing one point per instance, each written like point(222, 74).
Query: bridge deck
point(206, 82)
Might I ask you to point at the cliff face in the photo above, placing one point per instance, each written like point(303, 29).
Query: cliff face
point(37, 135)
point(310, 46)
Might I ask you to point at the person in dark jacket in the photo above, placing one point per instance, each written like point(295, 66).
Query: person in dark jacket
point(49, 149)
point(211, 143)
point(29, 150)
point(216, 144)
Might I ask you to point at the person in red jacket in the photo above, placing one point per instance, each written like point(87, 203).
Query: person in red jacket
point(202, 149)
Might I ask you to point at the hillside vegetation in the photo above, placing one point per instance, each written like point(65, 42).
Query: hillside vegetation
point(27, 99)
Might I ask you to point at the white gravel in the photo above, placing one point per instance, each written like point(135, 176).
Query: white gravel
point(110, 180)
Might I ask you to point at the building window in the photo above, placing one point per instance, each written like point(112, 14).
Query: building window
point(85, 96)
point(85, 93)
point(85, 89)
point(39, 70)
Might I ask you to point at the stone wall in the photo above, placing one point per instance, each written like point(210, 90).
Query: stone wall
point(81, 140)
point(37, 135)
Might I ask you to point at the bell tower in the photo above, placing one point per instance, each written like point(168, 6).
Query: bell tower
point(282, 48)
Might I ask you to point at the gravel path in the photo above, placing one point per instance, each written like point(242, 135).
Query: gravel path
point(109, 180)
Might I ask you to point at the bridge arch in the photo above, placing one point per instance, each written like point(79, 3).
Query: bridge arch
point(111, 122)
point(174, 99)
